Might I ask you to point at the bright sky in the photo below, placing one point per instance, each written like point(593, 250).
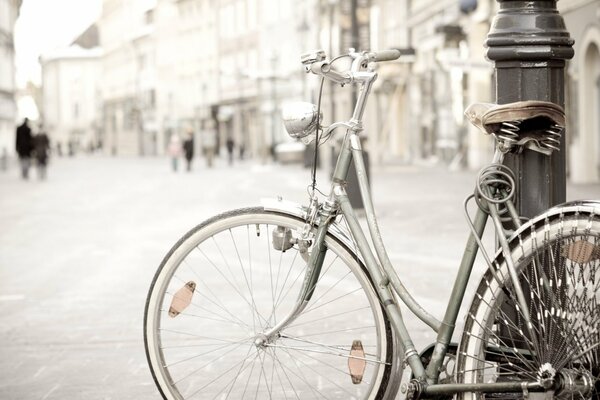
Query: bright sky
point(44, 25)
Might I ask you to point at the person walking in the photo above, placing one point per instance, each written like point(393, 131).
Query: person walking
point(188, 149)
point(24, 147)
point(174, 150)
point(41, 150)
point(209, 143)
point(230, 145)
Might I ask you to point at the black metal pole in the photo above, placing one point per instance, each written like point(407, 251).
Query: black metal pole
point(352, 178)
point(529, 45)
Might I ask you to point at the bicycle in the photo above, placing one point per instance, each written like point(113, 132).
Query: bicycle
point(295, 302)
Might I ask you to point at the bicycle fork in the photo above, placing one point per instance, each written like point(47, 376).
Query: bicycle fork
point(313, 272)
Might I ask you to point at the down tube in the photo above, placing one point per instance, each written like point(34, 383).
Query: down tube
point(385, 295)
point(456, 297)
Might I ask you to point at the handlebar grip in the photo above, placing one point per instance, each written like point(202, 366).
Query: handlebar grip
point(385, 55)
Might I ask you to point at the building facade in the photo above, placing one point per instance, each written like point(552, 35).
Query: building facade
point(70, 106)
point(128, 77)
point(9, 11)
point(230, 65)
point(582, 18)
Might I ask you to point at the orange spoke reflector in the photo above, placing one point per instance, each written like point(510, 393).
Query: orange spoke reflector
point(356, 362)
point(581, 252)
point(182, 299)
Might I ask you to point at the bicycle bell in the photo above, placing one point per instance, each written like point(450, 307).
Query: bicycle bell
point(300, 120)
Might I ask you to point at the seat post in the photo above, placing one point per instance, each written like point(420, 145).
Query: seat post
point(529, 44)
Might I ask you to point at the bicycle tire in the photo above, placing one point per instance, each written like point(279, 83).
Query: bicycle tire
point(557, 258)
point(227, 313)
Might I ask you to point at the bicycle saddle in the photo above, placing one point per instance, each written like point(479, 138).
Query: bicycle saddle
point(533, 124)
point(487, 116)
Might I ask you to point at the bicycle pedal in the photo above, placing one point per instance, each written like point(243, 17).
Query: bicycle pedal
point(182, 299)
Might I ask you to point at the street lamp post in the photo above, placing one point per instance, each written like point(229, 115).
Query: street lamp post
point(529, 45)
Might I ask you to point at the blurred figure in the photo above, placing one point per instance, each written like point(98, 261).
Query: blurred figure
point(230, 144)
point(41, 149)
point(24, 147)
point(174, 150)
point(209, 143)
point(4, 159)
point(188, 149)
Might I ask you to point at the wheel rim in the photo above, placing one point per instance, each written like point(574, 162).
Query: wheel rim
point(559, 269)
point(215, 347)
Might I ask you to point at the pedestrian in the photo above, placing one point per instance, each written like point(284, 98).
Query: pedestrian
point(174, 150)
point(188, 149)
point(41, 151)
point(230, 144)
point(24, 147)
point(209, 143)
point(4, 160)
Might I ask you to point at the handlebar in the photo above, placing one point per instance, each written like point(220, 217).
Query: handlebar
point(315, 63)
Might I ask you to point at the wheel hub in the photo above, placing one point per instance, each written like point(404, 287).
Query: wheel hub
point(261, 341)
point(572, 383)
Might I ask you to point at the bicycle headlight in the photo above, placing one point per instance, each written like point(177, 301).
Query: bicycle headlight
point(300, 120)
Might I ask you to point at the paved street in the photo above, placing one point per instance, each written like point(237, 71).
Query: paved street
point(78, 253)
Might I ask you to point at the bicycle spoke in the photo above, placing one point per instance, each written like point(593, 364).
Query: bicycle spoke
point(327, 317)
point(312, 369)
point(330, 346)
point(203, 366)
point(329, 353)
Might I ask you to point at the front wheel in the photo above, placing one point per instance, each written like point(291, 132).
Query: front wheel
point(224, 284)
point(558, 263)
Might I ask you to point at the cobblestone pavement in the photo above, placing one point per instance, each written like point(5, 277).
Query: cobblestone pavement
point(78, 252)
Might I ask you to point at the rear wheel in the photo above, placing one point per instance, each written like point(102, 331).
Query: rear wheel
point(224, 284)
point(558, 263)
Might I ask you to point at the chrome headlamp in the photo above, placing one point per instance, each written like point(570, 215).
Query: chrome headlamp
point(300, 120)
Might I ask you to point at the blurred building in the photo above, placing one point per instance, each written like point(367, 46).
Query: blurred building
point(171, 66)
point(128, 77)
point(582, 18)
point(387, 126)
point(9, 11)
point(70, 105)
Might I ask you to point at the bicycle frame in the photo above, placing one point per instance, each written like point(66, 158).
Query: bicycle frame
point(388, 283)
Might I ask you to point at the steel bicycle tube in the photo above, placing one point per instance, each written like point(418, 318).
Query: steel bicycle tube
point(456, 297)
point(343, 162)
point(386, 297)
point(495, 387)
point(521, 301)
point(388, 268)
